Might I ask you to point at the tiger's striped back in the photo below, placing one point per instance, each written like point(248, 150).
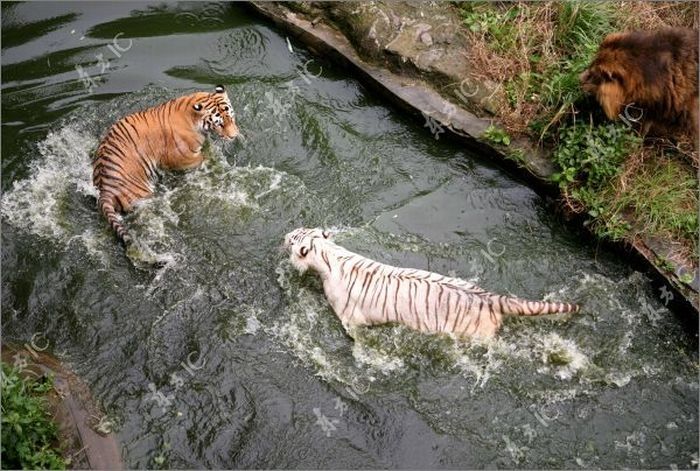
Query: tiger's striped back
point(362, 291)
point(169, 136)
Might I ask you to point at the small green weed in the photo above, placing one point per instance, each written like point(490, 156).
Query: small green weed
point(662, 193)
point(27, 429)
point(496, 135)
point(687, 277)
point(664, 264)
point(517, 155)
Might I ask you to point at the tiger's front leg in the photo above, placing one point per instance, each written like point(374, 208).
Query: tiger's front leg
point(184, 154)
point(195, 160)
point(345, 305)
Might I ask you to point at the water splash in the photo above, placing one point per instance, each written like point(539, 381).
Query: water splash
point(557, 353)
point(37, 204)
point(58, 201)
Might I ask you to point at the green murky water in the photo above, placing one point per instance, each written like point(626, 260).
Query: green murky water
point(226, 357)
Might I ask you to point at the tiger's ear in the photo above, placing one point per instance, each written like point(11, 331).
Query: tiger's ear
point(326, 234)
point(220, 89)
point(197, 107)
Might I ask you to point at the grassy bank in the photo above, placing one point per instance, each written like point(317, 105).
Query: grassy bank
point(534, 53)
point(29, 435)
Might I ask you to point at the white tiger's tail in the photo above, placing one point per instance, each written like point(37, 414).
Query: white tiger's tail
point(523, 307)
point(106, 205)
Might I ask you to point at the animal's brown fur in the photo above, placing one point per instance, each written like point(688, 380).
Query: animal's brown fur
point(648, 76)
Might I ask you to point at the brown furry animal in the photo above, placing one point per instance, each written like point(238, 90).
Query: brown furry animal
point(648, 76)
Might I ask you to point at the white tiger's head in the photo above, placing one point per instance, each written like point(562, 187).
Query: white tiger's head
point(300, 243)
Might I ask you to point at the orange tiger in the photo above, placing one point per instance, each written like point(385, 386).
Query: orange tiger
point(168, 136)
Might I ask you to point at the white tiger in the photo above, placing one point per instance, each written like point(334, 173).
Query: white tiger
point(362, 291)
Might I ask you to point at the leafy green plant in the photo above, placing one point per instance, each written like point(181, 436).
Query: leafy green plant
point(580, 25)
point(664, 264)
point(496, 135)
point(28, 433)
point(660, 193)
point(592, 155)
point(687, 277)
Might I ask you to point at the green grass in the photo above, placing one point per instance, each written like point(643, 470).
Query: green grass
point(536, 52)
point(616, 180)
point(497, 24)
point(663, 196)
point(547, 45)
point(579, 29)
point(28, 432)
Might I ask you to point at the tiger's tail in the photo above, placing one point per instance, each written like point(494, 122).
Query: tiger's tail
point(523, 307)
point(106, 205)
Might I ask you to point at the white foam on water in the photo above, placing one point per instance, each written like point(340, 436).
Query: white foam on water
point(252, 324)
point(562, 357)
point(294, 331)
point(225, 189)
point(35, 203)
point(244, 321)
point(618, 379)
point(517, 453)
point(479, 359)
point(634, 443)
point(274, 186)
point(376, 359)
point(39, 203)
point(93, 244)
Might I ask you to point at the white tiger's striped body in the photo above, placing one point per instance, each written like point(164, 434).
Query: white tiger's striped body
point(362, 291)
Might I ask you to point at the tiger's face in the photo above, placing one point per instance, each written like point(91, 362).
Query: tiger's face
point(215, 113)
point(300, 243)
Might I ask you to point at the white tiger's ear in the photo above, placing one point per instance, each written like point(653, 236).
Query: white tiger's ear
point(326, 234)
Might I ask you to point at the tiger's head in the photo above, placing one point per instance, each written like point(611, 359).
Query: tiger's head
point(300, 243)
point(213, 112)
